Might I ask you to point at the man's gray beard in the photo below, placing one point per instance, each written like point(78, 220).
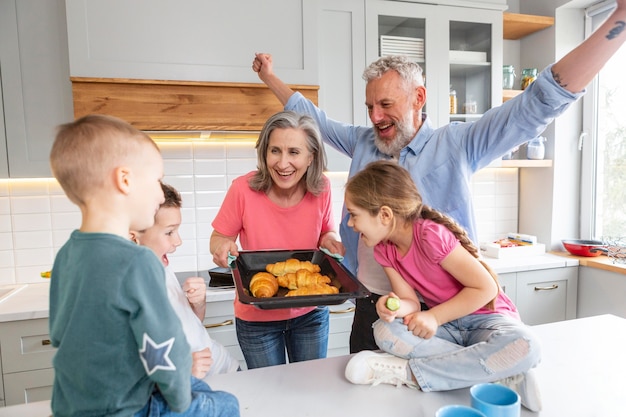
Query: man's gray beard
point(404, 135)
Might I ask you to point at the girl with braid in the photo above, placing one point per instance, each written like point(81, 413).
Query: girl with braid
point(470, 332)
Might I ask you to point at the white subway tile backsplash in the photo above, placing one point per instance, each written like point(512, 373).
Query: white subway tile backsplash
point(210, 183)
point(25, 205)
point(176, 150)
point(5, 205)
point(63, 221)
point(36, 218)
point(4, 188)
point(30, 257)
point(178, 167)
point(31, 222)
point(239, 150)
point(241, 166)
point(209, 167)
point(6, 259)
point(29, 187)
point(6, 241)
point(33, 240)
point(7, 275)
point(209, 150)
point(5, 223)
point(62, 204)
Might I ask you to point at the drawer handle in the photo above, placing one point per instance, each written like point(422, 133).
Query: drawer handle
point(348, 310)
point(551, 287)
point(46, 342)
point(224, 323)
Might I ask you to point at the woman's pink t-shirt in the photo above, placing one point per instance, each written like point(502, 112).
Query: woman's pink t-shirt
point(263, 225)
point(421, 268)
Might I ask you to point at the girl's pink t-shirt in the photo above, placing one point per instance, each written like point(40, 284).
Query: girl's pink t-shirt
point(262, 225)
point(421, 268)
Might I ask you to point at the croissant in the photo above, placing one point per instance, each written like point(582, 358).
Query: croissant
point(291, 265)
point(302, 278)
point(263, 285)
point(314, 289)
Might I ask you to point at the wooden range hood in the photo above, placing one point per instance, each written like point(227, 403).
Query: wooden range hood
point(158, 105)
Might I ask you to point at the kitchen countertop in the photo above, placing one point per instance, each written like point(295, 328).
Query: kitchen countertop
point(30, 301)
point(600, 262)
point(578, 377)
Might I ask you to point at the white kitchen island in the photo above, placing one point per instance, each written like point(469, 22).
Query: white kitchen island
point(582, 375)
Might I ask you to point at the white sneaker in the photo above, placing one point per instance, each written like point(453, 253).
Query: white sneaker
point(367, 367)
point(527, 387)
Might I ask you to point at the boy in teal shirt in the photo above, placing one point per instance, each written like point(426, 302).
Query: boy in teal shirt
point(121, 348)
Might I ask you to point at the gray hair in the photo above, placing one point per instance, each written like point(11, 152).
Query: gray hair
point(409, 71)
point(315, 184)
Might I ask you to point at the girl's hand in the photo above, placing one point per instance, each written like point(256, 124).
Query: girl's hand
point(422, 324)
point(383, 312)
point(202, 362)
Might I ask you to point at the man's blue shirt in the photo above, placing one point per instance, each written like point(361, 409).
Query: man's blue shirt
point(442, 161)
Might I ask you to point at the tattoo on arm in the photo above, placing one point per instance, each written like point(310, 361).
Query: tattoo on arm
point(620, 25)
point(557, 78)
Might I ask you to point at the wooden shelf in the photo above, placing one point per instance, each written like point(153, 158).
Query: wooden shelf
point(517, 26)
point(509, 94)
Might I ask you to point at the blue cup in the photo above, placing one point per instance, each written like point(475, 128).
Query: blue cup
point(495, 400)
point(458, 411)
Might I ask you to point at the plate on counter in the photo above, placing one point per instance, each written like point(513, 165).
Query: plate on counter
point(249, 263)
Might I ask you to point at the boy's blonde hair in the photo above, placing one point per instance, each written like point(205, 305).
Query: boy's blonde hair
point(86, 150)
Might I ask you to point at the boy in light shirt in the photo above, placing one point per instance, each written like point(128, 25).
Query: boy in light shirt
point(189, 302)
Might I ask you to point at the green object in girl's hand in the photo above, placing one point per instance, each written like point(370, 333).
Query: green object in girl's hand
point(393, 303)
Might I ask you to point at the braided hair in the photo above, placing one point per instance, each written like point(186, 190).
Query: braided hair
point(385, 183)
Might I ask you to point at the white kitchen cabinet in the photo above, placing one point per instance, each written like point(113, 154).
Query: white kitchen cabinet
point(26, 361)
point(220, 323)
point(193, 40)
point(447, 32)
point(36, 91)
point(341, 62)
point(543, 295)
point(601, 292)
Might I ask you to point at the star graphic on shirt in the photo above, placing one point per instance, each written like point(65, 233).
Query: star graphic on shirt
point(156, 356)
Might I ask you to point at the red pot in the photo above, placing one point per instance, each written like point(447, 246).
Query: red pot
point(580, 247)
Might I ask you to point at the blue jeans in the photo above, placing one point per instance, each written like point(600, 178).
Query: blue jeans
point(263, 343)
point(470, 350)
point(204, 402)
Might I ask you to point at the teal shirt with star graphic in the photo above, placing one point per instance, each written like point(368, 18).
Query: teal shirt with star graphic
point(115, 331)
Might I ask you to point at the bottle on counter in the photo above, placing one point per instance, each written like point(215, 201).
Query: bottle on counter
point(528, 76)
point(453, 102)
point(535, 148)
point(508, 77)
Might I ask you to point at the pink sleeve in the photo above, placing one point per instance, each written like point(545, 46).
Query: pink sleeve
point(328, 221)
point(438, 240)
point(230, 215)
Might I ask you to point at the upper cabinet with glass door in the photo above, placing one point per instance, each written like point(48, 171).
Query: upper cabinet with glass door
point(459, 48)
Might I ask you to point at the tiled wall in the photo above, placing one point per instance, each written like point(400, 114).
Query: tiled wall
point(36, 218)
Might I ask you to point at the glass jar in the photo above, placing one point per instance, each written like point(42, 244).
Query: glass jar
point(528, 76)
point(508, 77)
point(453, 102)
point(535, 149)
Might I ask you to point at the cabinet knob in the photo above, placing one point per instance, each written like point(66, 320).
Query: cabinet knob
point(551, 287)
point(46, 342)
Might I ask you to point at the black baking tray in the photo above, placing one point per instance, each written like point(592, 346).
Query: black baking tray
point(249, 263)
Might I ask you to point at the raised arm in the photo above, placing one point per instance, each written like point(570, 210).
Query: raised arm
point(262, 65)
point(576, 69)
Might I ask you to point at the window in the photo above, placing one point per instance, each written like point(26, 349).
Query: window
point(603, 193)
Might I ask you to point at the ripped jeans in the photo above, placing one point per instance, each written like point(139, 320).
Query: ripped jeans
point(473, 349)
